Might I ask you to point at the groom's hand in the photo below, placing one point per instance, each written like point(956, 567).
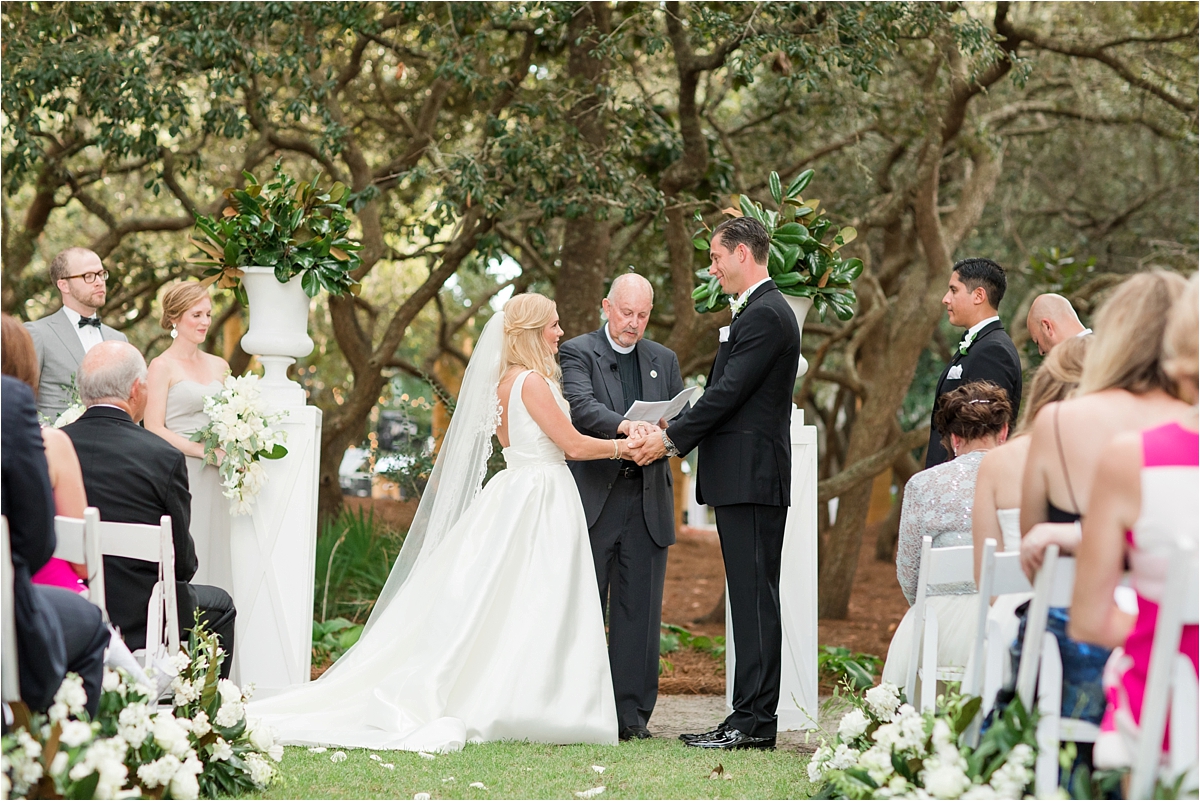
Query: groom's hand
point(636, 429)
point(649, 450)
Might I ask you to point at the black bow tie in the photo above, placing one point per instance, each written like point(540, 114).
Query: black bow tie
point(86, 321)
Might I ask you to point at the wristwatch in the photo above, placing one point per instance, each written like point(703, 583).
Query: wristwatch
point(670, 446)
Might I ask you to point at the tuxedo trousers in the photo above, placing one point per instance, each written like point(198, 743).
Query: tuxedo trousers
point(631, 570)
point(752, 547)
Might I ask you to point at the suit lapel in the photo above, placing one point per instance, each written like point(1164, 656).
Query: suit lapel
point(959, 357)
point(108, 334)
point(763, 289)
point(652, 385)
point(606, 358)
point(69, 338)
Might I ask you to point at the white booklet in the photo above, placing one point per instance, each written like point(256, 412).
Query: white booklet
point(653, 411)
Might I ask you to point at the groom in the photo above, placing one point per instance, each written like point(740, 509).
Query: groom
point(741, 424)
point(630, 509)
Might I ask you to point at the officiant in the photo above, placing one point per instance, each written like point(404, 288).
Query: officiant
point(630, 509)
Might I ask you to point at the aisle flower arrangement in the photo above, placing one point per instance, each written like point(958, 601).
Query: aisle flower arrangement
point(885, 748)
point(241, 426)
point(203, 745)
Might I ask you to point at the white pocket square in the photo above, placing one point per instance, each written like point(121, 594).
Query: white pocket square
point(955, 373)
point(724, 335)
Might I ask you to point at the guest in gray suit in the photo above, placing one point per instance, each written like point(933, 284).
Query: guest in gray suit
point(630, 509)
point(63, 338)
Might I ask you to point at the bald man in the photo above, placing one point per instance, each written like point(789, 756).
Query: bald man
point(1052, 320)
point(630, 510)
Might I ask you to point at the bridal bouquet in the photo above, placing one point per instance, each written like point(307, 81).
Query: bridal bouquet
point(242, 427)
point(887, 749)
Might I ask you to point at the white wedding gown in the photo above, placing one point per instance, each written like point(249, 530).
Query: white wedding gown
point(497, 633)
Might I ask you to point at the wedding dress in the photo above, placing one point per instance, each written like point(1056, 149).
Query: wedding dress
point(488, 629)
point(210, 508)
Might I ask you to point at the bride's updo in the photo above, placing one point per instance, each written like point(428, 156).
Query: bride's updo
point(524, 346)
point(179, 297)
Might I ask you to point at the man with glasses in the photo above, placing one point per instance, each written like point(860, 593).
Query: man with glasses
point(63, 338)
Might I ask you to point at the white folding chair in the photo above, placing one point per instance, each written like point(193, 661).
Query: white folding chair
point(1170, 682)
point(9, 675)
point(1041, 668)
point(150, 544)
point(78, 540)
point(938, 566)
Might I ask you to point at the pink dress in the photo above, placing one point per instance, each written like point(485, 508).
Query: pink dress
point(58, 573)
point(1170, 498)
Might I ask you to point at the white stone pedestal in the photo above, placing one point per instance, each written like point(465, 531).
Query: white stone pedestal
point(797, 592)
point(274, 555)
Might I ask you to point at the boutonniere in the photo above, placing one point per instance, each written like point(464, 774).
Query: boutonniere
point(966, 343)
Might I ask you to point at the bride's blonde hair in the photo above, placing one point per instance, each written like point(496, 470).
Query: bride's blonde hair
point(524, 346)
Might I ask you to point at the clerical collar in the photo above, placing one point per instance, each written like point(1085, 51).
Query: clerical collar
point(975, 329)
point(619, 348)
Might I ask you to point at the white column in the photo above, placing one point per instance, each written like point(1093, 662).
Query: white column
point(274, 555)
point(797, 592)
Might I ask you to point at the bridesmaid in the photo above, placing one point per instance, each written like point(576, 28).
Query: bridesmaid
point(179, 380)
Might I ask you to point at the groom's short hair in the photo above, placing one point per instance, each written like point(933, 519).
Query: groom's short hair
point(979, 272)
point(745, 231)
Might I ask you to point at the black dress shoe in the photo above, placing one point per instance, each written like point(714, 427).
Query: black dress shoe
point(635, 733)
point(687, 738)
point(732, 740)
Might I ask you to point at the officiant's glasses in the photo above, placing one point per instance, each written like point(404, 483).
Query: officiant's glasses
point(89, 278)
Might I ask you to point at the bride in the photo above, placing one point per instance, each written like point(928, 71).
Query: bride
point(489, 626)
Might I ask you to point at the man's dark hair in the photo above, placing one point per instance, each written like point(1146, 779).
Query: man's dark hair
point(745, 231)
point(975, 273)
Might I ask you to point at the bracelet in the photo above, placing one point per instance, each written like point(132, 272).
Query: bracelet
point(616, 450)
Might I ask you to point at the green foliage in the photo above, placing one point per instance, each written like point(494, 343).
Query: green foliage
point(673, 637)
point(298, 229)
point(333, 638)
point(800, 262)
point(858, 670)
point(354, 557)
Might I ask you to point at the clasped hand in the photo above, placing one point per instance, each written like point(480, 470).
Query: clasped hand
point(645, 443)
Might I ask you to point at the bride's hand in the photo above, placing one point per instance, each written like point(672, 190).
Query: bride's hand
point(218, 456)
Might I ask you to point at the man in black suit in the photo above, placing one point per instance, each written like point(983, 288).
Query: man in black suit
point(134, 476)
point(742, 426)
point(57, 630)
point(986, 353)
point(630, 509)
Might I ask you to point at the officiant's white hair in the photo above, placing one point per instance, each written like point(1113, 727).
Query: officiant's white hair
point(109, 372)
point(524, 346)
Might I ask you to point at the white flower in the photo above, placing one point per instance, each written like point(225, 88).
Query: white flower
point(229, 714)
point(421, 797)
point(844, 757)
point(262, 737)
point(883, 700)
point(337, 756)
point(983, 792)
point(180, 661)
point(169, 735)
point(72, 694)
point(261, 771)
point(184, 783)
point(877, 762)
point(853, 724)
point(133, 724)
point(105, 757)
point(31, 747)
point(58, 712)
point(159, 772)
point(75, 733)
point(111, 682)
point(59, 764)
point(220, 750)
point(1010, 779)
point(944, 779)
point(200, 724)
point(944, 741)
point(69, 415)
point(817, 765)
point(229, 691)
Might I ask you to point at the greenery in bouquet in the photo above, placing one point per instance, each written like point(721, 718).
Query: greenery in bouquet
point(804, 259)
point(240, 425)
point(295, 228)
point(885, 748)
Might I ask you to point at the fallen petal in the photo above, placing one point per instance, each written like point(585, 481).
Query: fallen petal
point(598, 768)
point(478, 785)
point(447, 779)
point(320, 749)
point(421, 797)
point(337, 756)
point(376, 758)
point(388, 765)
point(592, 793)
point(424, 755)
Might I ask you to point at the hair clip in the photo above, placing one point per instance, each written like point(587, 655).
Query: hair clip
point(980, 400)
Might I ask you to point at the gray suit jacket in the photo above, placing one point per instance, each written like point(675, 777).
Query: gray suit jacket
point(592, 385)
point(59, 353)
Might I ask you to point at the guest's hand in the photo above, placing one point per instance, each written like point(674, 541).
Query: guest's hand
point(649, 449)
point(1033, 545)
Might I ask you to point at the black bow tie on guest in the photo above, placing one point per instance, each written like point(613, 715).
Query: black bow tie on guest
point(86, 321)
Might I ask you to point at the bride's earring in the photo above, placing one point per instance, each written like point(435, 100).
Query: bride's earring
point(174, 333)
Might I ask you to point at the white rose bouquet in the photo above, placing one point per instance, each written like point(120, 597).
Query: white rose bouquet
point(242, 428)
point(885, 748)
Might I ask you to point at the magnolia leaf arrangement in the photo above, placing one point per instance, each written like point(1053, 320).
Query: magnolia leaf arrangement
point(294, 228)
point(801, 262)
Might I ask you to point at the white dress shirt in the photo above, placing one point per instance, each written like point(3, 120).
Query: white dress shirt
point(740, 303)
point(89, 335)
point(973, 330)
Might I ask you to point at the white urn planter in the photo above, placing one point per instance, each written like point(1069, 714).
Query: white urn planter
point(800, 307)
point(278, 332)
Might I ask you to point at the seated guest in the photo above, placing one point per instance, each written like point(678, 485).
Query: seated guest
point(972, 420)
point(1123, 388)
point(57, 630)
point(20, 361)
point(1147, 491)
point(1052, 321)
point(134, 476)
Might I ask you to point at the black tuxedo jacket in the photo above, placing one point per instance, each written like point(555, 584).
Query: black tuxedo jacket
point(27, 501)
point(592, 385)
point(134, 476)
point(742, 422)
point(991, 357)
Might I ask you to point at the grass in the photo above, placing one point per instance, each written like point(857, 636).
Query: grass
point(362, 552)
point(658, 768)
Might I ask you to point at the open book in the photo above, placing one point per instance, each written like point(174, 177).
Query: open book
point(653, 411)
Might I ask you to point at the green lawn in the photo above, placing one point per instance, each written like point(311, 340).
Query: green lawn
point(658, 768)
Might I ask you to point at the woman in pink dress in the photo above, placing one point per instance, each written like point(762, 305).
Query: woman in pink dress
point(1144, 502)
point(20, 361)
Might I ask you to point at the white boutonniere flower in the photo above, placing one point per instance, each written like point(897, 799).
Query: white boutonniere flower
point(967, 342)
